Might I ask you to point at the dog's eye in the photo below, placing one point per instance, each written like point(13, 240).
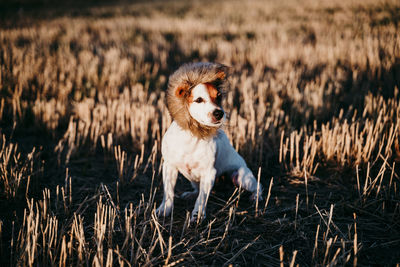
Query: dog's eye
point(199, 100)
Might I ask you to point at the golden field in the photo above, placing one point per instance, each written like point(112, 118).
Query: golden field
point(313, 104)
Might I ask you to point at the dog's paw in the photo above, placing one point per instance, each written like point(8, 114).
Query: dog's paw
point(190, 195)
point(256, 197)
point(195, 217)
point(163, 210)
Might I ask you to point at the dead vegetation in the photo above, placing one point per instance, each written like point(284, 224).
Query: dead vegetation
point(313, 108)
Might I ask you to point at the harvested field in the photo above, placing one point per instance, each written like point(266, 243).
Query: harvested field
point(314, 109)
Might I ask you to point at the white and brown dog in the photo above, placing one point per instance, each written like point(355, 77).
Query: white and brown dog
point(194, 144)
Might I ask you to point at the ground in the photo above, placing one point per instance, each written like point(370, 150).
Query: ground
point(313, 107)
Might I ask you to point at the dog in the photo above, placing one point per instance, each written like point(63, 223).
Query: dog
point(194, 144)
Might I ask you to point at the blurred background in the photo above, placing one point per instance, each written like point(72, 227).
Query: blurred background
point(313, 107)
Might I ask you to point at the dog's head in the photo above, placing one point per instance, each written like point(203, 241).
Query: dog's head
point(204, 104)
point(194, 97)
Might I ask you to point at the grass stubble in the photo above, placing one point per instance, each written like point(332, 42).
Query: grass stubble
point(313, 108)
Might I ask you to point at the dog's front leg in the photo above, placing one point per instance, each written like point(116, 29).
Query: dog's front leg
point(170, 173)
point(206, 184)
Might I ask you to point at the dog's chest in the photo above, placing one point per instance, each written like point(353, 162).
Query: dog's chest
point(193, 157)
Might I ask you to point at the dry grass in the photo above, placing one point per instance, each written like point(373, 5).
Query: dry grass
point(314, 109)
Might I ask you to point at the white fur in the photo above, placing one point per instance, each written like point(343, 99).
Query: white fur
point(200, 161)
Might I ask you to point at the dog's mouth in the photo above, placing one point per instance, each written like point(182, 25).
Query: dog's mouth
point(217, 121)
point(214, 121)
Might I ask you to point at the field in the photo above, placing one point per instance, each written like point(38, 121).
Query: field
point(314, 109)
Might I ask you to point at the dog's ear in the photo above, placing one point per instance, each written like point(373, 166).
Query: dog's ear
point(222, 72)
point(181, 90)
point(221, 75)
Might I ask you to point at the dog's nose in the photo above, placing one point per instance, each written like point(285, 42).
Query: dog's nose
point(218, 114)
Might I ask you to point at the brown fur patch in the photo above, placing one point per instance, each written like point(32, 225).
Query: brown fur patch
point(179, 89)
point(221, 75)
point(189, 98)
point(213, 92)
